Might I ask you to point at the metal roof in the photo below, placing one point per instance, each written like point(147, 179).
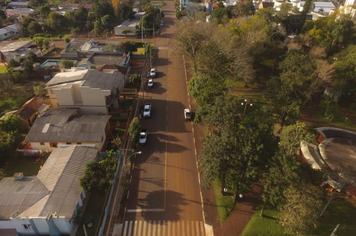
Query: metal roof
point(64, 125)
point(55, 190)
point(91, 78)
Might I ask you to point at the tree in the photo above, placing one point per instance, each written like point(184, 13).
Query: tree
point(13, 63)
point(25, 23)
point(39, 91)
point(288, 91)
point(66, 64)
point(12, 123)
point(44, 12)
point(330, 99)
point(27, 65)
point(98, 176)
point(292, 135)
point(39, 42)
point(127, 46)
point(55, 21)
point(300, 213)
point(134, 129)
point(116, 6)
point(34, 28)
point(16, 76)
point(67, 40)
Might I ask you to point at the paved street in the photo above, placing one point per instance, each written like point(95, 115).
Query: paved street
point(164, 196)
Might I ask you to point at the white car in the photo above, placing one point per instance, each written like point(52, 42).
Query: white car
point(147, 110)
point(150, 83)
point(153, 72)
point(187, 114)
point(143, 136)
point(162, 23)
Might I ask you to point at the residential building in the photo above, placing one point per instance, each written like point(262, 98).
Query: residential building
point(94, 92)
point(100, 59)
point(46, 204)
point(18, 4)
point(17, 49)
point(30, 110)
point(61, 126)
point(20, 13)
point(9, 31)
point(130, 26)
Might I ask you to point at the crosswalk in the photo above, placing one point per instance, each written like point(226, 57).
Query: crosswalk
point(163, 228)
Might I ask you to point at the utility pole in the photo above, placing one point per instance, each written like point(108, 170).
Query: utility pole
point(334, 232)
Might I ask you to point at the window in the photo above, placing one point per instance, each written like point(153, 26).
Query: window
point(55, 144)
point(79, 143)
point(68, 143)
point(42, 143)
point(26, 226)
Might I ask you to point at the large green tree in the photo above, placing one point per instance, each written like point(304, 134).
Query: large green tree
point(98, 176)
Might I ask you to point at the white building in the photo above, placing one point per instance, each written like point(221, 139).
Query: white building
point(46, 204)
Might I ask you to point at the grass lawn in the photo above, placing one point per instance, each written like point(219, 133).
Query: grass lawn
point(338, 117)
point(263, 226)
point(140, 51)
point(225, 203)
point(26, 164)
point(230, 83)
point(2, 69)
point(339, 212)
point(93, 213)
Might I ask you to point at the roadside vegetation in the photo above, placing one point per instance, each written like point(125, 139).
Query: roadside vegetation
point(248, 78)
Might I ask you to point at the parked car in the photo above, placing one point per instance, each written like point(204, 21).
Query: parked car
point(143, 136)
point(147, 110)
point(162, 22)
point(153, 72)
point(187, 114)
point(150, 83)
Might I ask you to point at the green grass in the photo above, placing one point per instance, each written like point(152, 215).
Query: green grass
point(93, 213)
point(26, 164)
point(338, 117)
point(338, 212)
point(225, 203)
point(263, 226)
point(140, 51)
point(231, 83)
point(9, 103)
point(2, 69)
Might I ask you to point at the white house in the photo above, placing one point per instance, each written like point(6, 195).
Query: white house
point(130, 25)
point(9, 31)
point(46, 204)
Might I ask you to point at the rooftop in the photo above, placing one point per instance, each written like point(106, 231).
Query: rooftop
point(56, 188)
point(64, 125)
point(14, 46)
point(91, 78)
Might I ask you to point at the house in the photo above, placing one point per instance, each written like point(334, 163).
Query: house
point(64, 126)
point(81, 49)
point(18, 4)
point(47, 203)
point(20, 13)
point(30, 110)
point(129, 26)
point(63, 9)
point(264, 5)
point(17, 49)
point(9, 31)
point(99, 59)
point(94, 92)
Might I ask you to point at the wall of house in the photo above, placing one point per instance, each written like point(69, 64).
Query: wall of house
point(64, 96)
point(94, 110)
point(52, 98)
point(45, 147)
point(77, 95)
point(41, 225)
point(23, 226)
point(6, 224)
point(63, 225)
point(94, 97)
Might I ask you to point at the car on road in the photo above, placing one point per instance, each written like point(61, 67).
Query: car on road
point(187, 114)
point(153, 72)
point(143, 136)
point(150, 83)
point(147, 110)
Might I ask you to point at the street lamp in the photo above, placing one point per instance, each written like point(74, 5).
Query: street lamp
point(246, 102)
point(128, 158)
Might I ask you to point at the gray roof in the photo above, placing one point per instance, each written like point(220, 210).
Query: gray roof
point(91, 78)
point(64, 125)
point(14, 46)
point(102, 59)
point(56, 188)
